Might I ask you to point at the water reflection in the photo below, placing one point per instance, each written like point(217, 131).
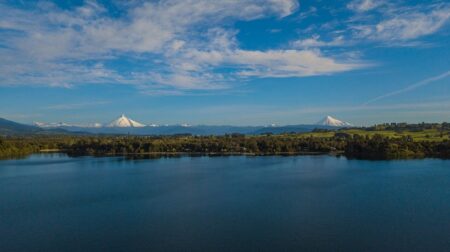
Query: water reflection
point(53, 202)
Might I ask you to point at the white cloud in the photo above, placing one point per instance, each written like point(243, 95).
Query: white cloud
point(315, 42)
point(271, 63)
point(412, 25)
point(405, 24)
point(287, 63)
point(182, 45)
point(221, 51)
point(387, 23)
point(364, 5)
point(146, 28)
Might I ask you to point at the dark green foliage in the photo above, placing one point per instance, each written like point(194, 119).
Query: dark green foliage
point(382, 147)
point(399, 127)
point(377, 146)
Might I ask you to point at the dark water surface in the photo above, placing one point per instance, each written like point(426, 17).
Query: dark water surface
point(308, 203)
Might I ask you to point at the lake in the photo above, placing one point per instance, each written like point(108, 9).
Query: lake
point(53, 202)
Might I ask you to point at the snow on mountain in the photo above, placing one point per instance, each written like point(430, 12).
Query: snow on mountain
point(121, 122)
point(66, 125)
point(51, 125)
point(330, 121)
point(125, 122)
point(94, 125)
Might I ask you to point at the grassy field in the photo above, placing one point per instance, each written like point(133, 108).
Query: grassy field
point(424, 135)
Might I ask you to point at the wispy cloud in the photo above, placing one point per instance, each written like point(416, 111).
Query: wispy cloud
point(72, 106)
point(304, 110)
point(274, 63)
point(361, 108)
point(196, 47)
point(400, 25)
point(364, 5)
point(194, 43)
point(410, 87)
point(314, 41)
point(265, 114)
point(379, 23)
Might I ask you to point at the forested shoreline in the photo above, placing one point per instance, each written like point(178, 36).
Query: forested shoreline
point(376, 144)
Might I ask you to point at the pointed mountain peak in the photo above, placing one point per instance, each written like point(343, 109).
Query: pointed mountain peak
point(331, 121)
point(124, 122)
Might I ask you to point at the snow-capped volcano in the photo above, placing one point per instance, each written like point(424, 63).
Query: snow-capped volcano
point(124, 122)
point(330, 121)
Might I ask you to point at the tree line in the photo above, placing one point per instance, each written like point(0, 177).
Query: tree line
point(355, 146)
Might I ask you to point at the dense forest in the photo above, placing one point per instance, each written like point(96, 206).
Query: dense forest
point(389, 141)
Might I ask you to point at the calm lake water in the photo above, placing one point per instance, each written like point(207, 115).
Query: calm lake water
point(309, 203)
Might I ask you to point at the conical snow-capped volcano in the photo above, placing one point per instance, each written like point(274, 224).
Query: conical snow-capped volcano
point(330, 121)
point(125, 122)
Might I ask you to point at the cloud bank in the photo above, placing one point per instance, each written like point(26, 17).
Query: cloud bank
point(172, 46)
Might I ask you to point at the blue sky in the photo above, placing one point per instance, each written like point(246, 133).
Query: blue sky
point(249, 62)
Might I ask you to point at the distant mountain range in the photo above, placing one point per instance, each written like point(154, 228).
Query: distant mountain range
point(125, 125)
point(8, 127)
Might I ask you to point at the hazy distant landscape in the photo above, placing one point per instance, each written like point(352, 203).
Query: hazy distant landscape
point(386, 141)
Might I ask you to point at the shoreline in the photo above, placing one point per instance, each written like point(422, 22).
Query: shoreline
point(226, 154)
point(208, 154)
point(194, 154)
